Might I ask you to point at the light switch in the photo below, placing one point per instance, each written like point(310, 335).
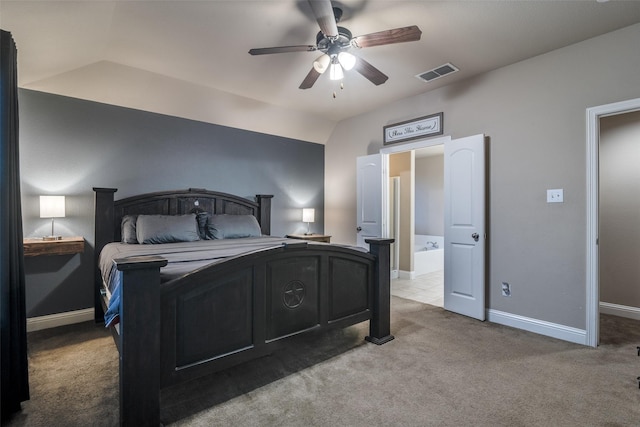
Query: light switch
point(555, 196)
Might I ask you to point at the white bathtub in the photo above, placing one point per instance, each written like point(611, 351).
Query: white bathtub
point(427, 257)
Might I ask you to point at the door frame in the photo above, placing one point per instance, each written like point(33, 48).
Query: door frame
point(385, 152)
point(593, 173)
point(401, 148)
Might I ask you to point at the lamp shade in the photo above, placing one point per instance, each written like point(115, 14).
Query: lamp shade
point(322, 63)
point(347, 60)
point(52, 207)
point(308, 215)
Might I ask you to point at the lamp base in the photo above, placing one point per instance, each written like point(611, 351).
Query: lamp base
point(308, 234)
point(49, 238)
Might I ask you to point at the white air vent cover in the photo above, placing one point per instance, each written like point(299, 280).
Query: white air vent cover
point(437, 72)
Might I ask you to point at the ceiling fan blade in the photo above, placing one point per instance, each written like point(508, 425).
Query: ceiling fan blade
point(374, 75)
point(323, 12)
point(310, 79)
point(397, 35)
point(282, 49)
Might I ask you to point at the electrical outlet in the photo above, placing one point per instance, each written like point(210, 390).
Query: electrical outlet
point(506, 289)
point(555, 196)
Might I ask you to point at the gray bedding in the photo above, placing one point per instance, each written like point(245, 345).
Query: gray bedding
point(182, 258)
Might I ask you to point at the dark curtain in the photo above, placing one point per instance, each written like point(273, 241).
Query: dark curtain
point(13, 319)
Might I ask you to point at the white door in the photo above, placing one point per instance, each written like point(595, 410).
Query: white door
point(464, 234)
point(369, 198)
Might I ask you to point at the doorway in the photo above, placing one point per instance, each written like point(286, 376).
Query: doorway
point(596, 259)
point(416, 222)
point(464, 214)
point(399, 207)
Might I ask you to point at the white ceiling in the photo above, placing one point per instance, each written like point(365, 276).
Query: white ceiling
point(205, 44)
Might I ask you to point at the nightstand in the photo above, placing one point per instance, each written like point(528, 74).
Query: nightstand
point(64, 246)
point(311, 237)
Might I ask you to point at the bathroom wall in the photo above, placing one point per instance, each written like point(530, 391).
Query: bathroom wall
point(402, 165)
point(429, 200)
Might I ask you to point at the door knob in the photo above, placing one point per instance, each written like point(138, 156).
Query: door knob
point(475, 236)
point(359, 229)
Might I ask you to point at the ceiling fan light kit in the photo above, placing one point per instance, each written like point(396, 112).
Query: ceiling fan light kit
point(335, 42)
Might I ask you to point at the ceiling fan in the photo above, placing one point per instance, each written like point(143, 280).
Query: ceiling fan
point(336, 43)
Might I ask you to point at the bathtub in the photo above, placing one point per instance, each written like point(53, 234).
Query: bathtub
point(426, 257)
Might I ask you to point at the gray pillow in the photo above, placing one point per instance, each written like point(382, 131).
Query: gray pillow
point(233, 226)
point(128, 229)
point(167, 228)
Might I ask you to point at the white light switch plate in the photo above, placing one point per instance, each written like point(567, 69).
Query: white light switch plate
point(555, 196)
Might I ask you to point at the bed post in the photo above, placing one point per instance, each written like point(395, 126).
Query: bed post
point(140, 340)
point(264, 213)
point(104, 217)
point(380, 323)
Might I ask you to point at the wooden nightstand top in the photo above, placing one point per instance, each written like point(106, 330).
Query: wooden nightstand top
point(312, 237)
point(66, 245)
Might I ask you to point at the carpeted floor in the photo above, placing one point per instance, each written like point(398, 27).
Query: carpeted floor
point(441, 370)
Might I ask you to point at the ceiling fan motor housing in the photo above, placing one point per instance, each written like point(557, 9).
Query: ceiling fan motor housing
point(329, 46)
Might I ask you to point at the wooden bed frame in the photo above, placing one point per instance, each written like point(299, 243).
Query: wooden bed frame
point(233, 311)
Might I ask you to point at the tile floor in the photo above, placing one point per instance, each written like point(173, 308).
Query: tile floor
point(427, 288)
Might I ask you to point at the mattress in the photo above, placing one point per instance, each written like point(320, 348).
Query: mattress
point(182, 258)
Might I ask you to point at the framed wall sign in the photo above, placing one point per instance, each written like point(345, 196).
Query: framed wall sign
point(421, 127)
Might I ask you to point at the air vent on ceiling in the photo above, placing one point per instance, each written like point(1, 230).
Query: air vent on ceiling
point(437, 72)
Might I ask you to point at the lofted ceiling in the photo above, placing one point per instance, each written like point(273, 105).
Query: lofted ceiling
point(203, 46)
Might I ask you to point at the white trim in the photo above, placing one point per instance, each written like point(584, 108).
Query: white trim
point(59, 319)
point(541, 327)
point(415, 145)
point(406, 275)
point(592, 274)
point(620, 310)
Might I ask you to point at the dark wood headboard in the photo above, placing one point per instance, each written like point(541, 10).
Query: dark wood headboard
point(109, 212)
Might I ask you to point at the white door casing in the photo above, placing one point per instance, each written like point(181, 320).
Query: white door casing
point(369, 175)
point(464, 235)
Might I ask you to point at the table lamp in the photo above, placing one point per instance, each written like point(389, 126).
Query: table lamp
point(52, 207)
point(308, 216)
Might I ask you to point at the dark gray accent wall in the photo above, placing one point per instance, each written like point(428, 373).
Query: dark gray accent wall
point(68, 146)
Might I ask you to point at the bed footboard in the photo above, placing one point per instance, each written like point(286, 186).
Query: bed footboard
point(160, 344)
point(233, 311)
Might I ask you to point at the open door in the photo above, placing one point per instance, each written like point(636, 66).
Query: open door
point(369, 198)
point(464, 233)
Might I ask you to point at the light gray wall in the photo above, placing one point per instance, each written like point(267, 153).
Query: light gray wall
point(68, 146)
point(619, 209)
point(534, 112)
point(429, 201)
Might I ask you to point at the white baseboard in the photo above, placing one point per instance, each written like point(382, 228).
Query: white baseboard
point(406, 275)
point(59, 319)
point(620, 310)
point(566, 333)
